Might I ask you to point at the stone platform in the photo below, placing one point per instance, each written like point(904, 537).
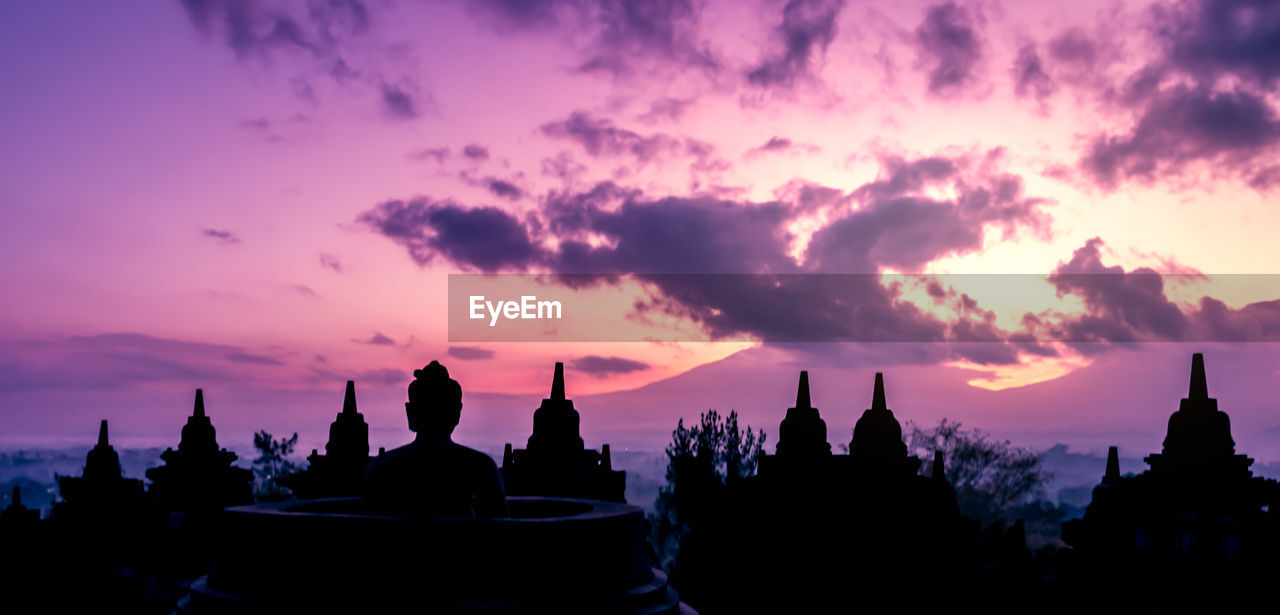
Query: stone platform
point(551, 555)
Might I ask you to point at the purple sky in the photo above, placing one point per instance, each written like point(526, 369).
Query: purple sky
point(264, 199)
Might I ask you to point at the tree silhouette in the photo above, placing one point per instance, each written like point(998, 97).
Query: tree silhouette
point(702, 460)
point(990, 476)
point(272, 463)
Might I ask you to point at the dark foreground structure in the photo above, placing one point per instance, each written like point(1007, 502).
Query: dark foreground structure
point(549, 556)
point(805, 530)
point(556, 462)
point(339, 472)
point(434, 532)
point(814, 528)
point(1197, 519)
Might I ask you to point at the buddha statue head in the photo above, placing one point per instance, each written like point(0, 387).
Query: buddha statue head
point(435, 401)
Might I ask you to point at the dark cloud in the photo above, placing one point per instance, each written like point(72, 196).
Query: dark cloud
point(439, 154)
point(697, 235)
point(222, 236)
point(624, 35)
point(601, 367)
point(901, 176)
point(322, 33)
point(520, 14)
point(807, 29)
point(781, 144)
point(503, 188)
point(897, 225)
point(600, 137)
point(664, 30)
point(382, 377)
point(305, 291)
point(378, 339)
point(1029, 76)
point(399, 103)
point(387, 376)
point(1203, 102)
point(250, 28)
point(476, 152)
point(484, 238)
point(667, 108)
point(117, 361)
point(775, 143)
point(331, 261)
point(1124, 307)
point(470, 353)
point(888, 222)
point(808, 197)
point(1211, 38)
point(1074, 47)
point(288, 129)
point(935, 290)
point(1180, 125)
point(256, 359)
point(951, 45)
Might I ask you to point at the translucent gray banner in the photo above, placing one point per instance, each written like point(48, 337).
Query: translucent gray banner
point(1006, 308)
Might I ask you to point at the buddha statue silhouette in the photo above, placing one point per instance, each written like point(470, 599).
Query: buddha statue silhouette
point(433, 475)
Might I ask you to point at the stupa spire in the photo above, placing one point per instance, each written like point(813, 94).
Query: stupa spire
point(557, 383)
point(102, 433)
point(877, 398)
point(199, 409)
point(1113, 465)
point(17, 497)
point(349, 400)
point(1199, 385)
point(802, 391)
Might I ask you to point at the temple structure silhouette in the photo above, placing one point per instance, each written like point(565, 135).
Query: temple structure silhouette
point(1197, 514)
point(340, 471)
point(199, 476)
point(825, 525)
point(101, 492)
point(556, 462)
point(803, 433)
point(101, 530)
point(16, 515)
point(812, 528)
point(420, 539)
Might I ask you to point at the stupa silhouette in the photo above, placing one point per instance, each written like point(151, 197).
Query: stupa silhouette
point(826, 526)
point(340, 471)
point(556, 462)
point(100, 532)
point(102, 491)
point(15, 514)
point(199, 477)
point(1196, 517)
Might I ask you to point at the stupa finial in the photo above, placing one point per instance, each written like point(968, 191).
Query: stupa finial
point(802, 392)
point(102, 433)
point(1199, 384)
point(1113, 465)
point(877, 398)
point(557, 383)
point(199, 410)
point(349, 400)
